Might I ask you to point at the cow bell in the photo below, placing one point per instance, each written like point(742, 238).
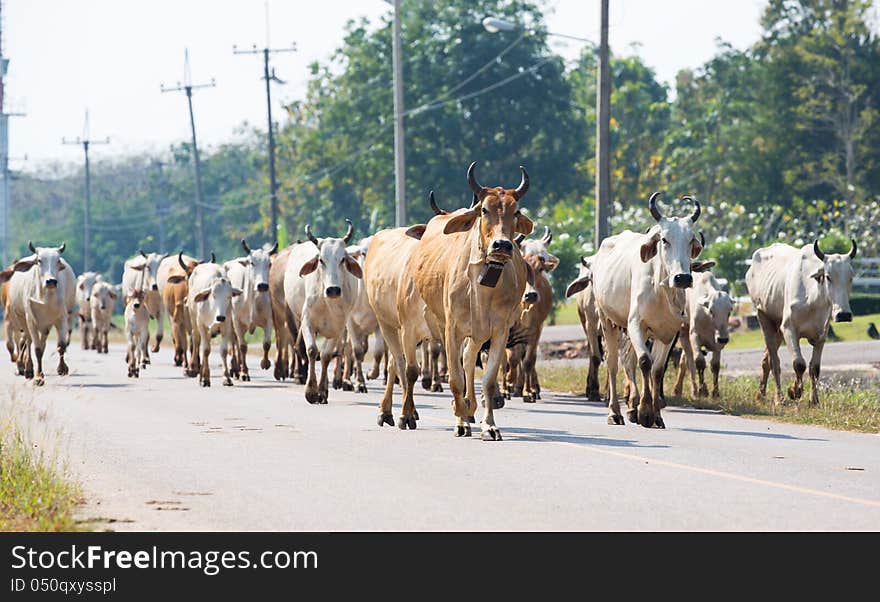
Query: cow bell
point(491, 273)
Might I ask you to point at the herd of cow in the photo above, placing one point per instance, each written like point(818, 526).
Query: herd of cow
point(468, 288)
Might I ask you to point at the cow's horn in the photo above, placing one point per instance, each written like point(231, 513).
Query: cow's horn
point(523, 187)
point(548, 236)
point(245, 246)
point(62, 247)
point(702, 241)
point(475, 201)
point(472, 180)
point(312, 236)
point(141, 251)
point(519, 238)
point(854, 250)
point(437, 210)
point(347, 238)
point(818, 251)
point(274, 249)
point(213, 257)
point(696, 214)
point(584, 262)
point(652, 207)
point(31, 247)
point(180, 261)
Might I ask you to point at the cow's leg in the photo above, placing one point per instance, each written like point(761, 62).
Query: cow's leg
point(425, 368)
point(640, 348)
point(61, 327)
point(240, 346)
point(10, 339)
point(265, 364)
point(410, 375)
point(815, 368)
point(659, 353)
point(798, 363)
point(348, 367)
point(397, 364)
point(611, 357)
point(457, 382)
point(224, 352)
point(331, 348)
point(436, 378)
point(205, 379)
point(378, 355)
point(39, 339)
point(518, 377)
point(339, 352)
point(772, 340)
point(469, 361)
point(530, 375)
point(281, 360)
point(313, 391)
point(195, 364)
point(160, 327)
point(700, 364)
point(490, 431)
point(359, 351)
point(716, 369)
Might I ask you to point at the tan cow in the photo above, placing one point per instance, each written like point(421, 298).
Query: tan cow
point(288, 363)
point(472, 278)
point(172, 279)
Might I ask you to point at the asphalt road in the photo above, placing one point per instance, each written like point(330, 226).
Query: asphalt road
point(162, 453)
point(858, 355)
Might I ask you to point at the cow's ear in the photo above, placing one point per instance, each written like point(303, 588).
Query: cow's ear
point(61, 266)
point(177, 279)
point(702, 266)
point(82, 285)
point(354, 251)
point(523, 224)
point(578, 285)
point(23, 265)
point(139, 268)
point(461, 222)
point(818, 275)
point(416, 231)
point(649, 249)
point(236, 292)
point(245, 262)
point(201, 296)
point(6, 274)
point(696, 248)
point(551, 264)
point(113, 296)
point(530, 274)
point(354, 267)
point(705, 301)
point(309, 266)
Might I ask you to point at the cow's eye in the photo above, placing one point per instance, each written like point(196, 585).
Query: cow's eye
point(665, 242)
point(485, 211)
point(321, 261)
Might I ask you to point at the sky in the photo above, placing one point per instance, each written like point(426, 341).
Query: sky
point(110, 57)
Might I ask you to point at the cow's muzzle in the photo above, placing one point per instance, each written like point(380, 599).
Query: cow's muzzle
point(683, 281)
point(220, 318)
point(722, 340)
point(333, 292)
point(155, 287)
point(531, 297)
point(501, 247)
point(137, 305)
point(51, 283)
point(843, 316)
point(263, 287)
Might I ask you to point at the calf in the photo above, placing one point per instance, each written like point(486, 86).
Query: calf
point(137, 332)
point(84, 284)
point(102, 301)
point(208, 303)
point(588, 315)
point(141, 272)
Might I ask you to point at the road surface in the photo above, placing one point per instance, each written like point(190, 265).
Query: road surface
point(161, 453)
point(859, 355)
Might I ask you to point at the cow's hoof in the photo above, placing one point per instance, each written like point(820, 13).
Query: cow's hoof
point(497, 401)
point(677, 391)
point(632, 416)
point(528, 398)
point(265, 364)
point(517, 392)
point(146, 361)
point(463, 430)
point(426, 383)
point(593, 396)
point(361, 388)
point(246, 378)
point(39, 381)
point(658, 423)
point(299, 380)
point(662, 402)
point(337, 383)
point(491, 434)
point(794, 393)
point(155, 348)
point(615, 420)
point(63, 370)
point(406, 422)
point(716, 394)
point(206, 383)
point(347, 386)
point(29, 374)
point(704, 391)
point(646, 419)
point(227, 382)
point(416, 414)
point(507, 395)
point(436, 388)
point(313, 396)
point(384, 419)
point(178, 363)
point(471, 420)
point(537, 395)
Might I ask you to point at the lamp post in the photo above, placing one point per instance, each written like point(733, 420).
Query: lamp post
point(603, 116)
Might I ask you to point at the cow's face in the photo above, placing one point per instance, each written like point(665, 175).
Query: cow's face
point(85, 283)
point(329, 265)
point(150, 269)
point(499, 216)
point(47, 261)
point(835, 276)
point(534, 268)
point(216, 299)
point(718, 305)
point(674, 241)
point(104, 295)
point(135, 299)
point(536, 247)
point(258, 262)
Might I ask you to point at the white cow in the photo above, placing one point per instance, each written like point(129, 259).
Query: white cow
point(141, 272)
point(796, 293)
point(320, 288)
point(84, 284)
point(103, 300)
point(361, 324)
point(588, 314)
point(639, 281)
point(709, 310)
point(253, 308)
point(209, 302)
point(38, 300)
point(137, 332)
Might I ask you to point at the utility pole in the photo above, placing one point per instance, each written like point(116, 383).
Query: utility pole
point(5, 196)
point(188, 88)
point(399, 150)
point(269, 77)
point(161, 203)
point(86, 142)
point(603, 118)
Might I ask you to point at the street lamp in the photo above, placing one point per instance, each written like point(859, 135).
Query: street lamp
point(603, 116)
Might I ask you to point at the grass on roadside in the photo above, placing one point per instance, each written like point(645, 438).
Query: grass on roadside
point(846, 401)
point(36, 494)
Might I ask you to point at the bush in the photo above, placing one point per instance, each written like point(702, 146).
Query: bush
point(863, 304)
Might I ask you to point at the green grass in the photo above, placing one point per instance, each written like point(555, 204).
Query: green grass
point(36, 494)
point(846, 401)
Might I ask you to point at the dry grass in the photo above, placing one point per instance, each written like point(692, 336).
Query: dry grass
point(847, 401)
point(36, 493)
